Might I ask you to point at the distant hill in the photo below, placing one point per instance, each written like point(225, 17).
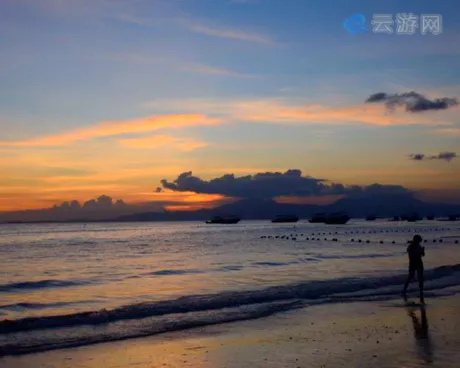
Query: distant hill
point(386, 205)
point(382, 206)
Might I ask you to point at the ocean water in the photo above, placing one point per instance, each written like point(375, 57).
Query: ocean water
point(65, 285)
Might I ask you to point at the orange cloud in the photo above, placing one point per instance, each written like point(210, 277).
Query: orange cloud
point(40, 198)
point(320, 114)
point(448, 131)
point(291, 111)
point(188, 207)
point(114, 128)
point(209, 70)
point(230, 33)
point(321, 200)
point(184, 144)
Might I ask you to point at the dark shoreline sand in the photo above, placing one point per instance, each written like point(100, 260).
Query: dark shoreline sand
point(362, 334)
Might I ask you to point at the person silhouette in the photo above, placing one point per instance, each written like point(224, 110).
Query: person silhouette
point(415, 252)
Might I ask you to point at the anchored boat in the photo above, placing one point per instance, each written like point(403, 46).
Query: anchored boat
point(318, 218)
point(285, 218)
point(223, 220)
point(337, 219)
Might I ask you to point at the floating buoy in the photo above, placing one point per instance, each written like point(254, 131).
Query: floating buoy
point(434, 240)
point(335, 239)
point(367, 241)
point(393, 242)
point(381, 241)
point(440, 240)
point(456, 242)
point(359, 241)
point(352, 240)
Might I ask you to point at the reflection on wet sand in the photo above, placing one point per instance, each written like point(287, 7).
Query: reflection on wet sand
point(423, 342)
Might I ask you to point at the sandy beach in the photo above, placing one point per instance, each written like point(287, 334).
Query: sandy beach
point(360, 334)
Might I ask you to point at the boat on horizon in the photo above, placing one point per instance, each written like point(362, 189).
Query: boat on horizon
point(413, 217)
point(371, 218)
point(224, 220)
point(318, 218)
point(337, 218)
point(285, 218)
point(450, 218)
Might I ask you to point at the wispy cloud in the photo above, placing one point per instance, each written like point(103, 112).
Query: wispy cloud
point(295, 111)
point(129, 11)
point(209, 70)
point(124, 11)
point(442, 156)
point(116, 128)
point(181, 65)
point(230, 33)
point(448, 131)
point(183, 144)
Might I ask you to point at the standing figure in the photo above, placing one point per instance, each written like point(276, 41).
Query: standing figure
point(415, 252)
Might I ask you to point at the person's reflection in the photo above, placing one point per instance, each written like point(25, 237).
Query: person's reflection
point(421, 335)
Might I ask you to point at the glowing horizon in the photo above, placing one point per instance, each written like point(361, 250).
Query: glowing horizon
point(100, 98)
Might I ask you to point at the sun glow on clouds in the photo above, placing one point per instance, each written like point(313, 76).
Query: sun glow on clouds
point(294, 111)
point(321, 200)
point(229, 33)
point(449, 131)
point(116, 128)
point(111, 163)
point(184, 144)
point(191, 201)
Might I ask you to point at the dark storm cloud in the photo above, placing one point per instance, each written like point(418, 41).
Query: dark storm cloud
point(270, 185)
point(412, 101)
point(376, 189)
point(417, 156)
point(260, 185)
point(442, 156)
point(446, 156)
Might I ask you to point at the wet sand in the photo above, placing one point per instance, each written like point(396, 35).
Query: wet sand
point(367, 334)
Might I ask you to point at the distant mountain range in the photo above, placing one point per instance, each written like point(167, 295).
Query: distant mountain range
point(381, 206)
point(358, 207)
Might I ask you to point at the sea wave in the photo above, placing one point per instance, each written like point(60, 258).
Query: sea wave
point(168, 272)
point(35, 334)
point(41, 284)
point(195, 303)
point(25, 305)
point(358, 256)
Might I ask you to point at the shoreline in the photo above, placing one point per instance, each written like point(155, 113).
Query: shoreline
point(355, 334)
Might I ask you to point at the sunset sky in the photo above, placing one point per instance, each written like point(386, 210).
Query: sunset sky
point(112, 96)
